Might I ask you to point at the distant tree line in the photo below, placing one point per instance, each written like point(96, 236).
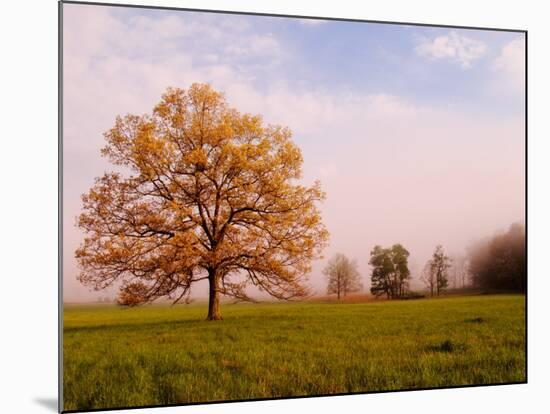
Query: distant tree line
point(500, 262)
point(390, 274)
point(497, 263)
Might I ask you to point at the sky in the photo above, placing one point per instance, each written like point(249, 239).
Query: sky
point(417, 134)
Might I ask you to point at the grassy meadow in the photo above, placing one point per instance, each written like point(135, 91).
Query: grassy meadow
point(159, 354)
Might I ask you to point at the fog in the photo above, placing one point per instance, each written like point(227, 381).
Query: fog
point(395, 169)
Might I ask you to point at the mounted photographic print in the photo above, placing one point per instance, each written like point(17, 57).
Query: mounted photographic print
point(262, 206)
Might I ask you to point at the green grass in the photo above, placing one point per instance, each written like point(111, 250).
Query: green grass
point(156, 355)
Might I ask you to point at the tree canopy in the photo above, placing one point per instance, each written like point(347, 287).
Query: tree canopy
point(390, 271)
point(203, 192)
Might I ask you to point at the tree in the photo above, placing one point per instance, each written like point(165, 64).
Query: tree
point(428, 277)
point(343, 276)
point(459, 269)
point(438, 267)
point(500, 262)
point(400, 257)
point(390, 271)
point(207, 194)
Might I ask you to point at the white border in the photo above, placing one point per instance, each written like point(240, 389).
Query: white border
point(28, 205)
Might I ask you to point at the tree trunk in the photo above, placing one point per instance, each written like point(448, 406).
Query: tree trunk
point(214, 313)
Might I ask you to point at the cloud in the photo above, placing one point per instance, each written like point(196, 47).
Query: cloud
point(255, 45)
point(510, 65)
point(312, 22)
point(453, 47)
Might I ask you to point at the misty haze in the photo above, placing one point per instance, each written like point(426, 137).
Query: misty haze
point(398, 164)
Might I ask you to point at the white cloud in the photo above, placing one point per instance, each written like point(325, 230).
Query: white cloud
point(312, 22)
point(510, 65)
point(255, 45)
point(453, 47)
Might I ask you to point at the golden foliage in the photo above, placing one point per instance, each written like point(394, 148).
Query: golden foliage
point(211, 194)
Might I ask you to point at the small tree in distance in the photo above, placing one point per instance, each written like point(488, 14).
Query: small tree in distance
point(428, 277)
point(343, 276)
point(459, 270)
point(436, 275)
point(390, 271)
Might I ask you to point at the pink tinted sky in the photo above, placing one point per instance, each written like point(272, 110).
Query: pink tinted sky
point(419, 140)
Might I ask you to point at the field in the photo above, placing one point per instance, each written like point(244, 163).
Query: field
point(159, 354)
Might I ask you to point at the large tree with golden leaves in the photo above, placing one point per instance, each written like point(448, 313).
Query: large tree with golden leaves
point(207, 193)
